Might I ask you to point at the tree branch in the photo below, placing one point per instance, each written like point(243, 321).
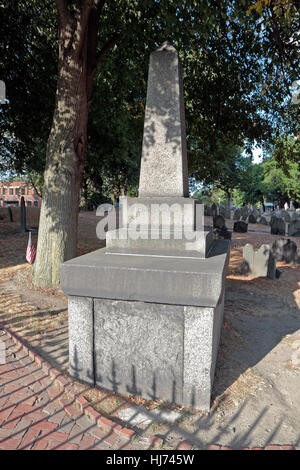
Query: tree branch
point(107, 47)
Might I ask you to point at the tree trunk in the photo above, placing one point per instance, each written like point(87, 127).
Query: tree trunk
point(57, 239)
point(66, 147)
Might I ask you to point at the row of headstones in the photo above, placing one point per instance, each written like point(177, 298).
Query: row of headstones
point(22, 216)
point(277, 223)
point(278, 227)
point(262, 262)
point(215, 210)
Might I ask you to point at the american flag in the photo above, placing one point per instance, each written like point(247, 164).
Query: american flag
point(31, 251)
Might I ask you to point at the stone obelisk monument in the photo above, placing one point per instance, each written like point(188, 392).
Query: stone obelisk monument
point(145, 313)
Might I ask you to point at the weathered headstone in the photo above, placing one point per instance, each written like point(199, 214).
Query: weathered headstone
point(220, 229)
point(166, 311)
point(207, 210)
point(252, 219)
point(294, 228)
point(214, 209)
point(285, 250)
point(263, 221)
point(10, 215)
point(23, 216)
point(244, 212)
point(237, 214)
point(277, 226)
point(262, 262)
point(240, 226)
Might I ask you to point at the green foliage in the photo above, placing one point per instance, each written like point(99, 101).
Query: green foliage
point(28, 66)
point(236, 86)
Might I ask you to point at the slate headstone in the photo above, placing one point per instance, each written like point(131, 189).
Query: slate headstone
point(10, 215)
point(285, 250)
point(207, 210)
point(294, 228)
point(237, 214)
point(214, 209)
point(240, 226)
point(262, 220)
point(277, 226)
point(252, 219)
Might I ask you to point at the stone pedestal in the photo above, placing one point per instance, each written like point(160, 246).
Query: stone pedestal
point(146, 326)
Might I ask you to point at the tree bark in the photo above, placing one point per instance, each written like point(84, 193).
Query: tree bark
point(66, 147)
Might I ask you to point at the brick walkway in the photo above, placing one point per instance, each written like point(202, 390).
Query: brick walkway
point(31, 416)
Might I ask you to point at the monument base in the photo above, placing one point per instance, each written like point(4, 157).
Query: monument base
point(147, 326)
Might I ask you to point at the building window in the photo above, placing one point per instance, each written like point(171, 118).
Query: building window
point(17, 191)
point(35, 203)
point(11, 191)
point(4, 191)
point(28, 203)
point(23, 191)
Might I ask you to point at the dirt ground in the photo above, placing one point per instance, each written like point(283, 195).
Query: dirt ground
point(256, 396)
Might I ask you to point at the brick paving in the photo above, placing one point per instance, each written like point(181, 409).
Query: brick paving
point(31, 414)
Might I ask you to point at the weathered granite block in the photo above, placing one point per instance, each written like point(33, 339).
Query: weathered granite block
point(81, 342)
point(201, 342)
point(157, 351)
point(139, 348)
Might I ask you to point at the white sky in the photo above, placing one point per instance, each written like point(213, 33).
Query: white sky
point(257, 155)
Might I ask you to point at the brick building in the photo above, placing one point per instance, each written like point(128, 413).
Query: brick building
point(11, 193)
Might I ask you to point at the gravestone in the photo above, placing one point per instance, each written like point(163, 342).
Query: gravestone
point(10, 215)
point(220, 229)
point(277, 226)
point(244, 212)
point(150, 324)
point(294, 228)
point(207, 210)
point(214, 209)
point(262, 262)
point(23, 216)
point(237, 214)
point(252, 219)
point(263, 221)
point(295, 216)
point(285, 250)
point(240, 226)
